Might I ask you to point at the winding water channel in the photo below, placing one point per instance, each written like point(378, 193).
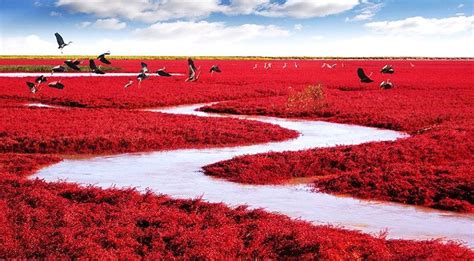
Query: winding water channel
point(177, 173)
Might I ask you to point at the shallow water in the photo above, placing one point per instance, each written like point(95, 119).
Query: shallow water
point(178, 174)
point(77, 74)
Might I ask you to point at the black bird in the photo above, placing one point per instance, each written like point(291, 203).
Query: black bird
point(193, 74)
point(58, 68)
point(144, 67)
point(103, 59)
point(163, 73)
point(40, 79)
point(363, 78)
point(386, 85)
point(73, 64)
point(142, 76)
point(57, 85)
point(94, 68)
point(387, 69)
point(32, 87)
point(61, 43)
point(215, 68)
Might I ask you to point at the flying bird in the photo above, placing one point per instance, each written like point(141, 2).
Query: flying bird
point(73, 64)
point(330, 66)
point(284, 66)
point(58, 68)
point(193, 74)
point(94, 67)
point(142, 76)
point(40, 79)
point(144, 67)
point(163, 73)
point(387, 69)
point(128, 84)
point(103, 59)
point(362, 76)
point(255, 66)
point(214, 69)
point(61, 43)
point(386, 85)
point(32, 87)
point(56, 85)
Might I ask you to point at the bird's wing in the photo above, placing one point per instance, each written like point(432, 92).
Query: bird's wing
point(104, 60)
point(361, 74)
point(144, 67)
point(59, 39)
point(92, 65)
point(72, 65)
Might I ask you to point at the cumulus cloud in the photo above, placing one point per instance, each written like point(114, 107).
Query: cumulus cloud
point(245, 6)
point(424, 26)
point(367, 12)
point(151, 11)
point(204, 31)
point(143, 10)
point(298, 27)
point(55, 14)
point(308, 8)
point(109, 24)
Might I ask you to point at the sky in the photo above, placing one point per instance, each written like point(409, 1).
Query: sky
point(355, 28)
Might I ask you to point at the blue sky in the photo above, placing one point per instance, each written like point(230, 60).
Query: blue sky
point(240, 27)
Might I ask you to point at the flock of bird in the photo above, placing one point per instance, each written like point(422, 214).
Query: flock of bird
point(193, 74)
point(387, 69)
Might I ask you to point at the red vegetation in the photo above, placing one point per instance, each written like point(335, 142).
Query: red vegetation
point(73, 131)
point(432, 168)
point(40, 220)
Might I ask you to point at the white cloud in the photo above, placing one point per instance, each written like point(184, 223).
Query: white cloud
point(37, 4)
point(367, 12)
point(55, 14)
point(203, 32)
point(82, 25)
point(393, 45)
point(308, 8)
point(298, 27)
point(109, 24)
point(143, 10)
point(424, 26)
point(245, 6)
point(460, 14)
point(151, 11)
point(460, 5)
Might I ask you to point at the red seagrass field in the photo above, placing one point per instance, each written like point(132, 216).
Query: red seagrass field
point(432, 101)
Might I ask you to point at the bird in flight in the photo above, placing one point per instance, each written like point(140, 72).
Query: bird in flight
point(58, 68)
point(386, 85)
point(161, 72)
point(61, 43)
point(103, 59)
point(56, 85)
point(387, 69)
point(193, 74)
point(214, 69)
point(73, 64)
point(94, 67)
point(362, 76)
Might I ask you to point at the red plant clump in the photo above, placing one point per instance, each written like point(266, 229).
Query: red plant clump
point(74, 131)
point(46, 220)
point(432, 168)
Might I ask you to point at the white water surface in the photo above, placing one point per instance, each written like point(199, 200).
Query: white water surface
point(178, 174)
